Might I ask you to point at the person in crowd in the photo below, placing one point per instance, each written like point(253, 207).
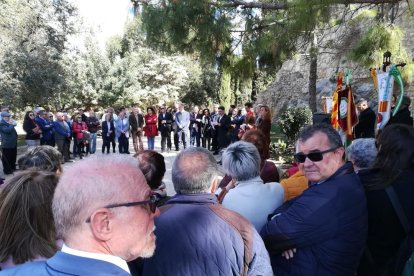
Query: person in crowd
point(206, 129)
point(93, 125)
point(62, 135)
point(403, 116)
point(250, 197)
point(32, 129)
point(51, 120)
point(122, 132)
point(230, 111)
point(222, 127)
point(82, 114)
point(42, 119)
point(108, 133)
point(195, 127)
point(268, 169)
point(114, 118)
point(182, 122)
point(237, 119)
point(249, 125)
point(152, 165)
point(257, 114)
point(8, 142)
point(214, 117)
point(362, 153)
point(136, 121)
point(102, 230)
point(165, 120)
point(366, 120)
point(45, 158)
point(249, 110)
point(393, 169)
point(150, 128)
point(322, 231)
point(27, 232)
point(265, 123)
point(174, 126)
point(294, 185)
point(79, 129)
point(233, 245)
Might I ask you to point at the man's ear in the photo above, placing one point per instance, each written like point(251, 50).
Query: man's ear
point(101, 224)
point(213, 186)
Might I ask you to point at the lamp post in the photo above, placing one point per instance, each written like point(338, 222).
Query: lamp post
point(386, 61)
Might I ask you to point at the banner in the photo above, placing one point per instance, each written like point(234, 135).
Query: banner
point(334, 114)
point(327, 104)
point(347, 112)
point(384, 98)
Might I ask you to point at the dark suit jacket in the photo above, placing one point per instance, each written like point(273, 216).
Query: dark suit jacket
point(167, 126)
point(366, 124)
point(223, 131)
point(193, 120)
point(105, 130)
point(66, 264)
point(134, 123)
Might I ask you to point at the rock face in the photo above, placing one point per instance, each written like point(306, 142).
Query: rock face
point(290, 87)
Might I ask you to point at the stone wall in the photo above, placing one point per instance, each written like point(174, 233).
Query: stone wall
point(290, 87)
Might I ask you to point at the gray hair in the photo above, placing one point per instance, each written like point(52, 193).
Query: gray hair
point(193, 171)
point(89, 185)
point(241, 160)
point(362, 152)
point(333, 136)
point(45, 158)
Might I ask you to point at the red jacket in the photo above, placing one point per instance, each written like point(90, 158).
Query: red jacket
point(77, 129)
point(150, 128)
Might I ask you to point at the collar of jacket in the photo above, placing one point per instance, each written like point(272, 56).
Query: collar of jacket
point(202, 198)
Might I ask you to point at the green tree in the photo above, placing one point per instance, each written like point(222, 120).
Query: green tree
point(33, 36)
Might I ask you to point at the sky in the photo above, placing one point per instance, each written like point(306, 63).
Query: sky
point(106, 17)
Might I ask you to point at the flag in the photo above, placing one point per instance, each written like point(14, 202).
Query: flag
point(347, 115)
point(385, 87)
point(334, 113)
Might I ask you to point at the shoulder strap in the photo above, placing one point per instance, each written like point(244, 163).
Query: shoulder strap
point(398, 208)
point(244, 228)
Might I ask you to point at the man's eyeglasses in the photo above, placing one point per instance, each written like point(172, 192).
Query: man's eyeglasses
point(314, 156)
point(152, 203)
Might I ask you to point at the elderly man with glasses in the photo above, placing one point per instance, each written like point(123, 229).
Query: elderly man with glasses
point(104, 218)
point(322, 231)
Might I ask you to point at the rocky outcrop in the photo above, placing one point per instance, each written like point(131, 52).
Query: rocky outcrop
point(290, 87)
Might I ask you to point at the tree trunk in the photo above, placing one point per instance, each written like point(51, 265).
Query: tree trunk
point(312, 81)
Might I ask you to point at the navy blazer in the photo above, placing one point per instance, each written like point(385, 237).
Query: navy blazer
point(105, 130)
point(66, 264)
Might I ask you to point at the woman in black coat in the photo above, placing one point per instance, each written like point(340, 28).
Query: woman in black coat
point(32, 129)
point(394, 166)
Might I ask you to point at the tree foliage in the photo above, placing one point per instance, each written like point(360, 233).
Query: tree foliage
point(33, 36)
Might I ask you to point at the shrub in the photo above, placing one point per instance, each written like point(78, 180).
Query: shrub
point(292, 119)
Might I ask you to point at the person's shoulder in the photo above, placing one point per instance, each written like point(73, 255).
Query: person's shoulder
point(32, 268)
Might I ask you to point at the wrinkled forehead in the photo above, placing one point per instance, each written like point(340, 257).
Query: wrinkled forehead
point(318, 141)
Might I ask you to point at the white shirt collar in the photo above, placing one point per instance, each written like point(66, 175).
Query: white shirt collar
point(98, 256)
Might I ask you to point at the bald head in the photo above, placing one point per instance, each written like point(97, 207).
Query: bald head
point(194, 170)
point(91, 184)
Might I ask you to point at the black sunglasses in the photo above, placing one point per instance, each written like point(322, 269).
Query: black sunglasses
point(152, 203)
point(314, 156)
point(31, 114)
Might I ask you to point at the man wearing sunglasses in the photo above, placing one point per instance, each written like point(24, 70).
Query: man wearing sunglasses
point(198, 236)
point(322, 231)
point(104, 219)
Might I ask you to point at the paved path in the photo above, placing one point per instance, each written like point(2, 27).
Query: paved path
point(168, 157)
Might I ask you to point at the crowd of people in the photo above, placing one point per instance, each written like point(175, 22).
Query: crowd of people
point(213, 130)
point(110, 214)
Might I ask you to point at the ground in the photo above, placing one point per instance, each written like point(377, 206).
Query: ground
point(168, 157)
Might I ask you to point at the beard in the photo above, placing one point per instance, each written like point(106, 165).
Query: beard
point(149, 249)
